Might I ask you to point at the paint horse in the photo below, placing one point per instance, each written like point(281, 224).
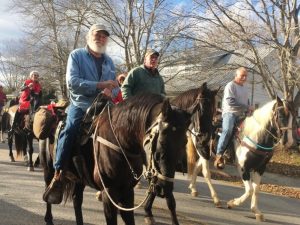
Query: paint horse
point(201, 129)
point(115, 157)
point(254, 148)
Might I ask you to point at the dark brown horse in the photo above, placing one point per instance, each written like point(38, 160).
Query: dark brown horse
point(115, 156)
point(23, 136)
point(200, 133)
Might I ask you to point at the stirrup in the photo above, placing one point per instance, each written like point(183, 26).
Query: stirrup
point(54, 192)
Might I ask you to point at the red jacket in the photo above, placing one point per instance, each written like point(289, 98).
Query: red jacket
point(25, 95)
point(118, 98)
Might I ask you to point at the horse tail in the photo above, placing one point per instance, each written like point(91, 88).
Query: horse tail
point(191, 153)
point(20, 144)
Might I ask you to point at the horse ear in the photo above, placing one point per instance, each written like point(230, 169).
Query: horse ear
point(204, 85)
point(166, 108)
point(279, 102)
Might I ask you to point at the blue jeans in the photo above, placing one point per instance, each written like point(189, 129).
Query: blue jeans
point(68, 136)
point(229, 120)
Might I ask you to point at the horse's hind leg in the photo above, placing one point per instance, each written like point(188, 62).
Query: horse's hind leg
point(127, 201)
point(207, 176)
point(29, 139)
point(10, 143)
point(172, 207)
point(77, 202)
point(48, 170)
point(192, 185)
point(256, 178)
point(149, 219)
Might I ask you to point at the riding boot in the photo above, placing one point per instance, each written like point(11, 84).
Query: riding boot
point(219, 162)
point(54, 192)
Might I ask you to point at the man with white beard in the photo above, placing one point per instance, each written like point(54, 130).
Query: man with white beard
point(89, 71)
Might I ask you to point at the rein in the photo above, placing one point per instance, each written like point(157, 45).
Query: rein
point(102, 182)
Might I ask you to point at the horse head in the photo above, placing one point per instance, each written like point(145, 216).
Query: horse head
point(282, 112)
point(169, 140)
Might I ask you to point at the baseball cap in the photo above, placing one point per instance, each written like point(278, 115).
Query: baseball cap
point(151, 52)
point(99, 27)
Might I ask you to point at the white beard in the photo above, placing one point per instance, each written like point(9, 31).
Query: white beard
point(96, 47)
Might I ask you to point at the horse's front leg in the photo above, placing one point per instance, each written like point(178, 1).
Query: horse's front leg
point(29, 138)
point(149, 219)
point(172, 207)
point(10, 143)
point(110, 211)
point(248, 191)
point(77, 202)
point(127, 201)
point(207, 176)
point(256, 178)
point(192, 185)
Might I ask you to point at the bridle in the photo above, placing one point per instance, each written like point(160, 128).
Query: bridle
point(151, 138)
point(199, 113)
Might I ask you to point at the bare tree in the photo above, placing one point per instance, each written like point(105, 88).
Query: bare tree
point(227, 26)
point(138, 25)
point(53, 29)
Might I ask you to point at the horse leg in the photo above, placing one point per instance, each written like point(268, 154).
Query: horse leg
point(248, 191)
point(172, 207)
point(77, 202)
point(149, 219)
point(1, 136)
point(110, 211)
point(192, 185)
point(256, 178)
point(127, 201)
point(29, 138)
point(10, 143)
point(37, 162)
point(48, 170)
point(207, 176)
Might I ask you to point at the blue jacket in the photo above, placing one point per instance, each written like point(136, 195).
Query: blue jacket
point(82, 77)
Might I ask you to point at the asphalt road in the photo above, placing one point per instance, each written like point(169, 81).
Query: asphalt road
point(21, 202)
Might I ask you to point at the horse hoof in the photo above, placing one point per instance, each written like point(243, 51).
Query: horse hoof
point(12, 159)
point(3, 141)
point(99, 196)
point(259, 217)
point(149, 220)
point(30, 168)
point(194, 193)
point(230, 204)
point(218, 204)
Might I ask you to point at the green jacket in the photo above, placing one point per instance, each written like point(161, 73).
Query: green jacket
point(140, 80)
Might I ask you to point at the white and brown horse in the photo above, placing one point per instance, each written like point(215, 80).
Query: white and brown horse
point(260, 133)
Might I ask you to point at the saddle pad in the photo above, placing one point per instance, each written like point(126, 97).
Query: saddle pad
point(43, 123)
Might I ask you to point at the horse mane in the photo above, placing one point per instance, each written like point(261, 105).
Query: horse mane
point(186, 99)
point(257, 123)
point(132, 116)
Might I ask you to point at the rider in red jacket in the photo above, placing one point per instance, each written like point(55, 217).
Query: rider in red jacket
point(30, 97)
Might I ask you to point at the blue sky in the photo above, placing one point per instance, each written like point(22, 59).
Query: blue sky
point(10, 23)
